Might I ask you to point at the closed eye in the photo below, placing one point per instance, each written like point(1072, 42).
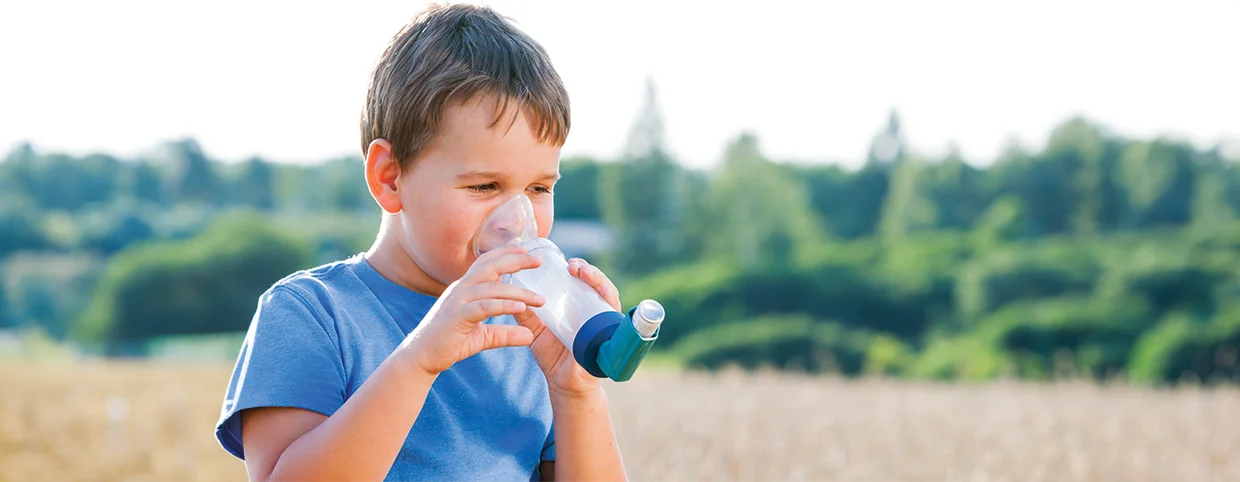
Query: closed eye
point(541, 190)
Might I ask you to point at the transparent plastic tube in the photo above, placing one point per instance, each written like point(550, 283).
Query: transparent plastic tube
point(570, 302)
point(607, 343)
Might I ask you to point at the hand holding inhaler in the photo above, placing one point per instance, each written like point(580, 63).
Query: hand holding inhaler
point(606, 342)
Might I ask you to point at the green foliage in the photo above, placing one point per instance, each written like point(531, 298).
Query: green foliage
point(191, 176)
point(19, 230)
point(838, 287)
point(1158, 179)
point(887, 355)
point(44, 290)
point(973, 356)
point(1098, 333)
point(762, 213)
point(1169, 276)
point(255, 185)
point(206, 284)
point(577, 192)
point(908, 207)
point(1020, 272)
point(641, 197)
point(1183, 345)
point(1091, 256)
point(793, 342)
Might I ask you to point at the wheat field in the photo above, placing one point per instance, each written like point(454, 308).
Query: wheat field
point(146, 421)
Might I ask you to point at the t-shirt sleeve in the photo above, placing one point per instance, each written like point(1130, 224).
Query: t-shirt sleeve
point(290, 358)
point(548, 451)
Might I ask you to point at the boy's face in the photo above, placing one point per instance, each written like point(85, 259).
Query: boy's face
point(468, 171)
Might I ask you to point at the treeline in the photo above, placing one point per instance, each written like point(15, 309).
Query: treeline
point(1093, 255)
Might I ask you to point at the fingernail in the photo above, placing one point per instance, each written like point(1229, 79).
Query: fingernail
point(520, 306)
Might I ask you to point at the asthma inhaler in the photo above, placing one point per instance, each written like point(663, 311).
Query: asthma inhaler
point(606, 342)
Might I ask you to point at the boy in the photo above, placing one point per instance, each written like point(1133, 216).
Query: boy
point(412, 361)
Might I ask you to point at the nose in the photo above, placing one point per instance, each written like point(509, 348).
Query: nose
point(512, 220)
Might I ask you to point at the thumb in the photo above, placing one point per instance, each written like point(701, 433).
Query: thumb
point(498, 336)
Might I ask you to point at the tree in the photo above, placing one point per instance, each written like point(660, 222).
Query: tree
point(1218, 191)
point(191, 178)
point(19, 230)
point(207, 284)
point(764, 214)
point(641, 197)
point(828, 190)
point(1078, 149)
point(1159, 182)
point(908, 207)
point(345, 178)
point(869, 188)
point(576, 194)
point(145, 183)
point(59, 181)
point(955, 189)
point(255, 185)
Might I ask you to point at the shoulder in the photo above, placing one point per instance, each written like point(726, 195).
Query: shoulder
point(309, 293)
point(324, 276)
point(314, 286)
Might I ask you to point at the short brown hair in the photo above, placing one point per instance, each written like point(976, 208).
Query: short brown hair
point(449, 54)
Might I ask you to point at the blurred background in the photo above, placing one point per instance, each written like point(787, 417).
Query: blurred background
point(896, 240)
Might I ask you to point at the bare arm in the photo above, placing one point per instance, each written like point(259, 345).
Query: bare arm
point(585, 440)
point(359, 442)
point(586, 447)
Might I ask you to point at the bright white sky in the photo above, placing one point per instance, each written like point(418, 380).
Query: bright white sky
point(815, 80)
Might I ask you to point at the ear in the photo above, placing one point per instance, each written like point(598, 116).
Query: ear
point(383, 175)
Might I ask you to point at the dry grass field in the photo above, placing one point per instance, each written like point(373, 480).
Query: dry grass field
point(154, 422)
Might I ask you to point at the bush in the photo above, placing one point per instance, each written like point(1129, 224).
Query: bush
point(1020, 272)
point(1169, 277)
point(697, 297)
point(1098, 333)
point(207, 284)
point(20, 231)
point(46, 290)
point(1034, 339)
point(1184, 345)
point(887, 355)
point(974, 356)
point(795, 343)
point(690, 295)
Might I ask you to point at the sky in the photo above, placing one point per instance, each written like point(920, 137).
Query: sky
point(814, 80)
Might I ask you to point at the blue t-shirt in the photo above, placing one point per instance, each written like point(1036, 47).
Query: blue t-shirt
point(319, 333)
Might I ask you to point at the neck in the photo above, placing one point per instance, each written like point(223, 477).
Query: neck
point(392, 261)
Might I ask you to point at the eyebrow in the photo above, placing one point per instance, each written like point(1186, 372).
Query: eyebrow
point(472, 175)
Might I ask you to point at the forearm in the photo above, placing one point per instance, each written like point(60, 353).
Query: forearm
point(362, 439)
point(585, 441)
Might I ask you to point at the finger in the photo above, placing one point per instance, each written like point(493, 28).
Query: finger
point(530, 321)
point(498, 336)
point(491, 269)
point(574, 266)
point(502, 251)
point(502, 291)
point(597, 280)
point(480, 310)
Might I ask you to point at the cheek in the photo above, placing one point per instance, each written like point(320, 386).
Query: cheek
point(453, 227)
point(544, 213)
point(439, 229)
